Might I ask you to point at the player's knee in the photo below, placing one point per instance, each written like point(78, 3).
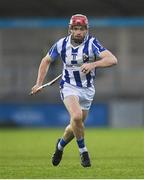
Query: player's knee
point(77, 116)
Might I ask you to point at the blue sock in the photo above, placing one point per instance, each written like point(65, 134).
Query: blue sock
point(81, 145)
point(62, 144)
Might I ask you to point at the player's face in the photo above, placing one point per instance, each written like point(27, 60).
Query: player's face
point(78, 33)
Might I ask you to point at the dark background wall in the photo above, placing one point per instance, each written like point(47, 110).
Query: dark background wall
point(64, 8)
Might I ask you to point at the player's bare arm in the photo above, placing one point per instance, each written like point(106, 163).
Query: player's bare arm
point(106, 59)
point(43, 68)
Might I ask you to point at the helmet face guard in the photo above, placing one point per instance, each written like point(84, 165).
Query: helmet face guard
point(78, 20)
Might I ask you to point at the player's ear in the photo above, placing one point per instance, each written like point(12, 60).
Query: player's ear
point(69, 29)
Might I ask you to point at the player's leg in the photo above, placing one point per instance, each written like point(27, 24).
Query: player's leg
point(77, 125)
point(68, 93)
point(68, 133)
point(75, 111)
point(85, 159)
point(76, 114)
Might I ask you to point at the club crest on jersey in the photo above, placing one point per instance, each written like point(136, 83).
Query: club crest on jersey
point(85, 58)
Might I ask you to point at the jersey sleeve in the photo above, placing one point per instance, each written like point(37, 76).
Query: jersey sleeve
point(97, 47)
point(53, 52)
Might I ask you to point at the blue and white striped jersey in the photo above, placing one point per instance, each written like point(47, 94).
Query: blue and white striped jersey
point(74, 57)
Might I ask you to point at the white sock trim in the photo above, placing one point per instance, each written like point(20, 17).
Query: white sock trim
point(60, 147)
point(81, 150)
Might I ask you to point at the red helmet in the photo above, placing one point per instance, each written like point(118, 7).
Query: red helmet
point(78, 19)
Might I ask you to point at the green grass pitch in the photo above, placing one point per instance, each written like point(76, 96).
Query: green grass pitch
point(115, 153)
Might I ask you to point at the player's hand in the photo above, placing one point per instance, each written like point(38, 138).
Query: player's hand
point(35, 89)
point(87, 67)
